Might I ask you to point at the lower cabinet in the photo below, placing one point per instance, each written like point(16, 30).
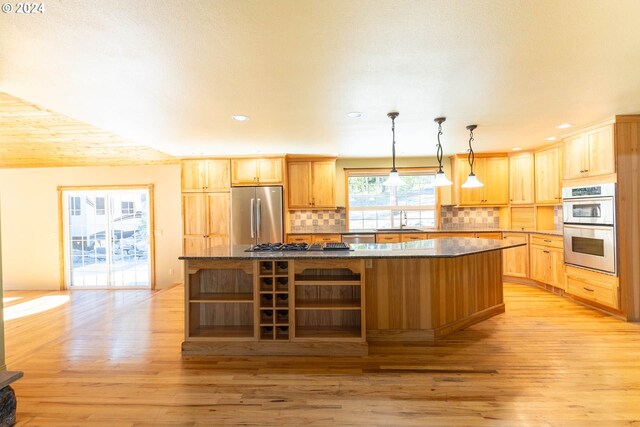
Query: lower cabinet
point(547, 265)
point(592, 286)
point(314, 238)
point(326, 238)
point(515, 261)
point(388, 238)
point(410, 237)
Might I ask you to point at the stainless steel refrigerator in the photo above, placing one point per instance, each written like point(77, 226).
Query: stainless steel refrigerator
point(256, 215)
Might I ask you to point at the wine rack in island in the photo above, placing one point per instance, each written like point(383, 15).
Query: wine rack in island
point(274, 307)
point(273, 289)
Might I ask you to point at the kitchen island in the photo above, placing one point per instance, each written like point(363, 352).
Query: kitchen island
point(335, 302)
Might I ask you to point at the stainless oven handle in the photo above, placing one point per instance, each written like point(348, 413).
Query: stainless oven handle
point(589, 227)
point(589, 199)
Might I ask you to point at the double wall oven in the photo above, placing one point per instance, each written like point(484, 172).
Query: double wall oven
point(590, 227)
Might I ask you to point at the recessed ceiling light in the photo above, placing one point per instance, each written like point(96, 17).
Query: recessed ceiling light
point(354, 114)
point(240, 118)
point(551, 138)
point(564, 126)
point(516, 148)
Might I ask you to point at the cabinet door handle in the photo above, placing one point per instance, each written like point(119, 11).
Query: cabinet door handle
point(588, 289)
point(548, 241)
point(546, 252)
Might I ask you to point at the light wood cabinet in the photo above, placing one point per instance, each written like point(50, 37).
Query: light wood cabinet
point(411, 237)
point(547, 175)
point(451, 234)
point(314, 238)
point(299, 238)
point(547, 262)
point(388, 238)
point(326, 238)
point(205, 220)
point(521, 179)
point(590, 285)
point(515, 261)
point(210, 175)
point(312, 184)
point(267, 171)
point(589, 153)
point(492, 171)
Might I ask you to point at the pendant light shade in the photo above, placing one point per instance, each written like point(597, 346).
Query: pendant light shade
point(394, 179)
point(472, 181)
point(441, 179)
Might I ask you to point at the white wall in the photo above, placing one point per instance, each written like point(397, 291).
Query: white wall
point(29, 218)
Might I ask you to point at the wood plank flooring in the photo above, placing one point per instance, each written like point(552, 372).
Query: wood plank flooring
point(113, 359)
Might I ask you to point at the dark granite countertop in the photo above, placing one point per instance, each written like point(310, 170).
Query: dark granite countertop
point(434, 248)
point(428, 230)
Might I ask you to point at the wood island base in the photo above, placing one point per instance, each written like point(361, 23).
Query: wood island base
point(334, 307)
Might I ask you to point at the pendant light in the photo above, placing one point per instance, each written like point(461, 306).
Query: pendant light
point(441, 179)
point(472, 181)
point(394, 179)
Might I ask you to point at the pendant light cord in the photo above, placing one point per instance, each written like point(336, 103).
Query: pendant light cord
point(439, 153)
point(393, 146)
point(471, 157)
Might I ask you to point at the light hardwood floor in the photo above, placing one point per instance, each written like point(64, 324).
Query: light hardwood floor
point(113, 359)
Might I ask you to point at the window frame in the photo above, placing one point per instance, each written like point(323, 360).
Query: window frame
point(427, 170)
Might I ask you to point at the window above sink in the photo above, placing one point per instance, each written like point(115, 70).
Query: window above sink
point(371, 205)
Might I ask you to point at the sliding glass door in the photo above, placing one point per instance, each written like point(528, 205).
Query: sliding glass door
point(107, 242)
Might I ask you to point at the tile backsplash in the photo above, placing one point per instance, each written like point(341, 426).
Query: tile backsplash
point(453, 218)
point(333, 220)
point(557, 218)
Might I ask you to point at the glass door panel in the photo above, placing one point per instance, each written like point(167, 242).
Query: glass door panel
point(107, 242)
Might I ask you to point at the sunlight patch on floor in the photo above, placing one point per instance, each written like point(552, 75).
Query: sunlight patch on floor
point(35, 306)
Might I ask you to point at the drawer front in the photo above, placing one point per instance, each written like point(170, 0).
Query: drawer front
point(553, 241)
point(495, 236)
point(443, 235)
point(299, 238)
point(327, 238)
point(410, 237)
point(590, 290)
point(387, 238)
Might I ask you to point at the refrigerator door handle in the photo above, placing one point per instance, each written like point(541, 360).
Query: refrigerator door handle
point(253, 233)
point(258, 222)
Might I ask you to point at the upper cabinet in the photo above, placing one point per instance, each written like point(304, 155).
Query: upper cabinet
point(589, 153)
point(521, 174)
point(266, 171)
point(492, 171)
point(210, 175)
point(547, 173)
point(311, 184)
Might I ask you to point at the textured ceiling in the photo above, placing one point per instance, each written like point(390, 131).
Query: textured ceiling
point(169, 74)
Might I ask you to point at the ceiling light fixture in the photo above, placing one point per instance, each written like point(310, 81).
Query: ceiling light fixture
point(394, 179)
point(564, 126)
point(551, 138)
point(516, 148)
point(472, 181)
point(240, 118)
point(441, 179)
point(354, 114)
